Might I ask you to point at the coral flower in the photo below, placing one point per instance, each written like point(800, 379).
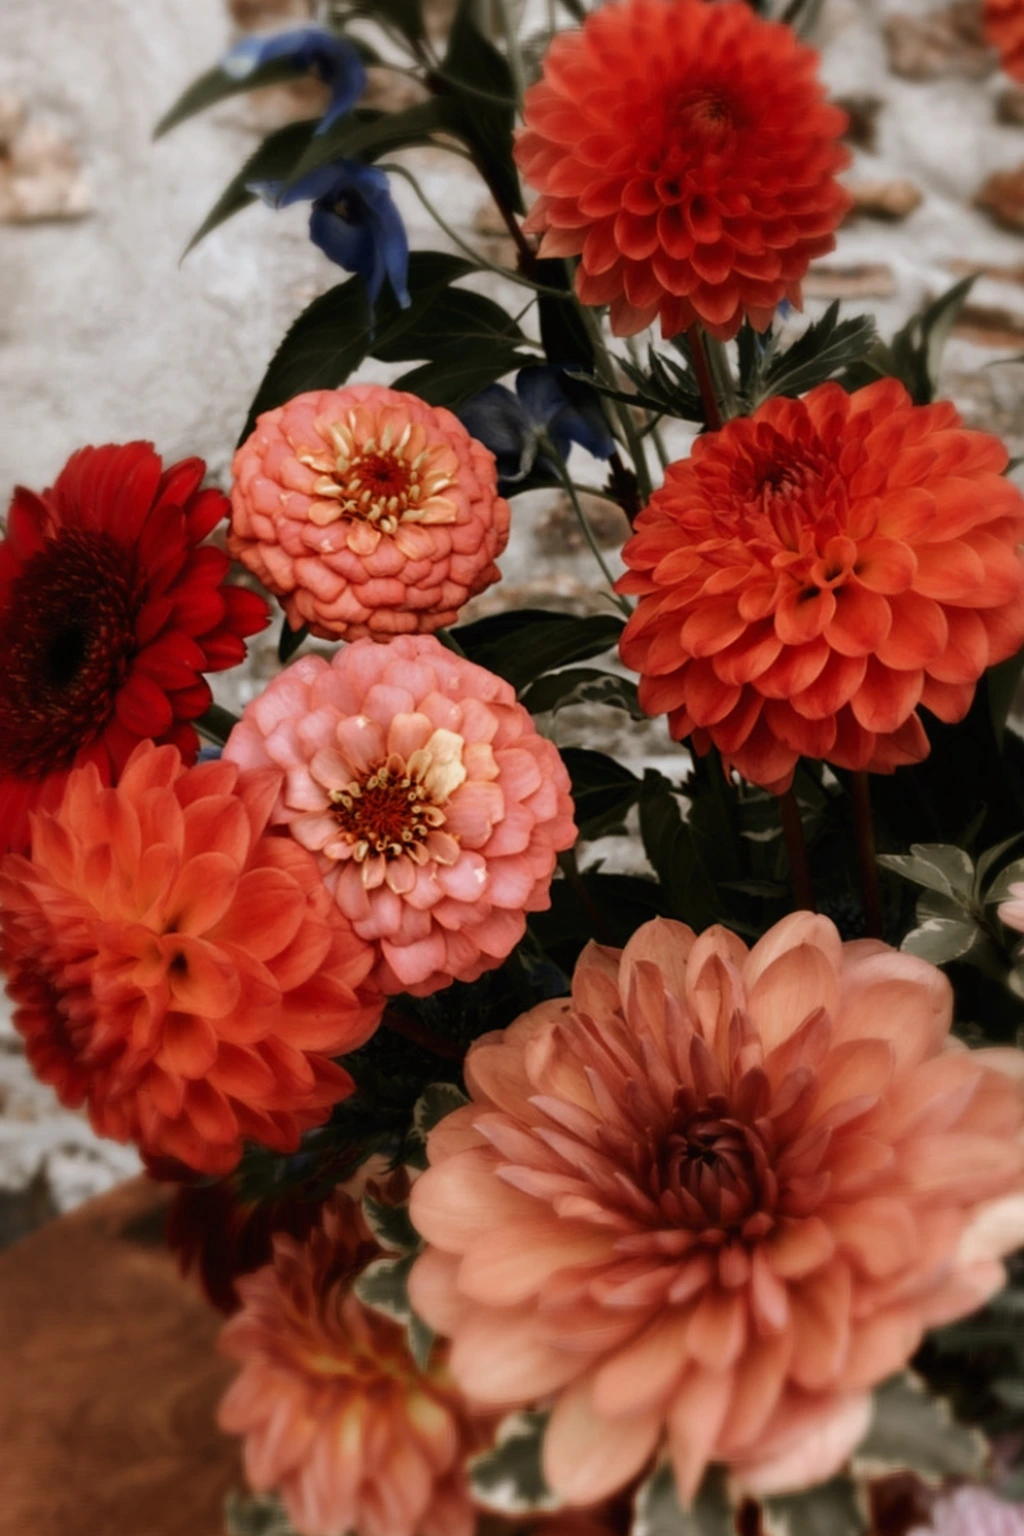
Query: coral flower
point(433, 806)
point(815, 573)
point(336, 1414)
point(714, 1198)
point(367, 512)
point(1003, 22)
point(110, 612)
point(183, 975)
point(686, 153)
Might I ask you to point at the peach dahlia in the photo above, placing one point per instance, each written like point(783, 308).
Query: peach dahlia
point(335, 1412)
point(180, 973)
point(434, 808)
point(687, 154)
point(713, 1198)
point(816, 573)
point(367, 511)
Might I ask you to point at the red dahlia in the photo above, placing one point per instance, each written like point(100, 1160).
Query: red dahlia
point(687, 154)
point(110, 612)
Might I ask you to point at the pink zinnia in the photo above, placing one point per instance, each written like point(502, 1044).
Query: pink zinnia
point(367, 511)
point(715, 1197)
point(434, 808)
point(335, 1412)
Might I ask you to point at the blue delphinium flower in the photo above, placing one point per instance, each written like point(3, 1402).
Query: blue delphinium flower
point(353, 221)
point(546, 402)
point(331, 58)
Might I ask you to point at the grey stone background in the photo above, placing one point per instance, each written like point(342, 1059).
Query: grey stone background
point(105, 337)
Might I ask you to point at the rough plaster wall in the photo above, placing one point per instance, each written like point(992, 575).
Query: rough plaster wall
point(104, 337)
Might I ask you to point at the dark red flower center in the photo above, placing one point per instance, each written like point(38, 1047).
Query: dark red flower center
point(389, 813)
point(384, 474)
point(67, 639)
point(710, 1170)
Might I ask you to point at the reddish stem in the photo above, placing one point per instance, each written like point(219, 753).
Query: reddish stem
point(864, 822)
point(411, 1029)
point(702, 368)
point(793, 832)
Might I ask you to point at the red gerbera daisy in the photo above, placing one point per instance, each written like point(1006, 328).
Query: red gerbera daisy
point(110, 612)
point(687, 154)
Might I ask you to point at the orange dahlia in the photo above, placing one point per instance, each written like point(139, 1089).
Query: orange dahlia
point(1003, 22)
point(180, 973)
point(111, 610)
point(335, 1412)
point(715, 1197)
point(434, 808)
point(815, 573)
point(367, 511)
point(686, 153)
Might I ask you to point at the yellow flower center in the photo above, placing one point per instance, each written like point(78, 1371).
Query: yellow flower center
point(381, 469)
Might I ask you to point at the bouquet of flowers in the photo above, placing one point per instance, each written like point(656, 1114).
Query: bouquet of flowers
point(578, 1151)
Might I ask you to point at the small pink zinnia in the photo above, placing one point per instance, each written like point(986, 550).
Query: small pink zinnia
point(435, 809)
point(714, 1198)
point(335, 1412)
point(367, 511)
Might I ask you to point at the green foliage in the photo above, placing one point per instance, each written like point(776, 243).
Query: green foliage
point(509, 1479)
point(274, 160)
point(403, 16)
point(367, 134)
point(582, 685)
point(665, 388)
point(477, 83)
point(217, 85)
point(671, 845)
point(391, 1226)
point(818, 354)
point(603, 791)
point(912, 1428)
point(256, 1514)
point(522, 645)
point(914, 356)
point(384, 1287)
point(831, 1509)
point(657, 1510)
point(289, 641)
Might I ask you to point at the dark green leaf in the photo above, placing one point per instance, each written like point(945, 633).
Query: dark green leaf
point(332, 337)
point(479, 83)
point(289, 641)
point(509, 1479)
point(391, 1226)
point(216, 85)
point(603, 791)
point(820, 353)
point(405, 16)
point(936, 866)
point(582, 685)
point(911, 1428)
point(461, 371)
point(562, 328)
point(941, 939)
point(384, 1286)
point(436, 1102)
point(366, 134)
point(256, 1514)
point(830, 1509)
point(672, 849)
point(914, 355)
point(274, 160)
point(520, 646)
point(455, 317)
point(658, 1512)
point(999, 890)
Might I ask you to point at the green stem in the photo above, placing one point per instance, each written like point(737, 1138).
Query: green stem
point(216, 724)
point(651, 427)
point(509, 25)
point(721, 374)
point(588, 533)
point(866, 858)
point(701, 367)
point(571, 870)
point(606, 369)
point(793, 832)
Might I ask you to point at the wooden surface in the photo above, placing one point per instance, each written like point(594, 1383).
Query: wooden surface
point(109, 1381)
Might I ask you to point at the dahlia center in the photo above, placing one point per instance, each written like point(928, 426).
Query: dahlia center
point(712, 1171)
point(396, 810)
point(382, 476)
point(68, 640)
point(704, 120)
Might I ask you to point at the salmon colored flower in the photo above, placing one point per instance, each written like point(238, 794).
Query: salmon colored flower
point(434, 808)
point(715, 1197)
point(335, 1412)
point(111, 610)
point(177, 971)
point(817, 572)
point(686, 153)
point(367, 511)
point(1003, 22)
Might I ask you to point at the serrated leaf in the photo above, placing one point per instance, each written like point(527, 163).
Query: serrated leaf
point(433, 1104)
point(911, 1428)
point(582, 685)
point(521, 646)
point(289, 640)
point(383, 1286)
point(367, 134)
point(509, 1479)
point(391, 1226)
point(603, 791)
point(259, 1514)
point(658, 1512)
point(274, 160)
point(940, 940)
point(831, 1509)
point(217, 85)
point(818, 354)
point(937, 866)
point(333, 335)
